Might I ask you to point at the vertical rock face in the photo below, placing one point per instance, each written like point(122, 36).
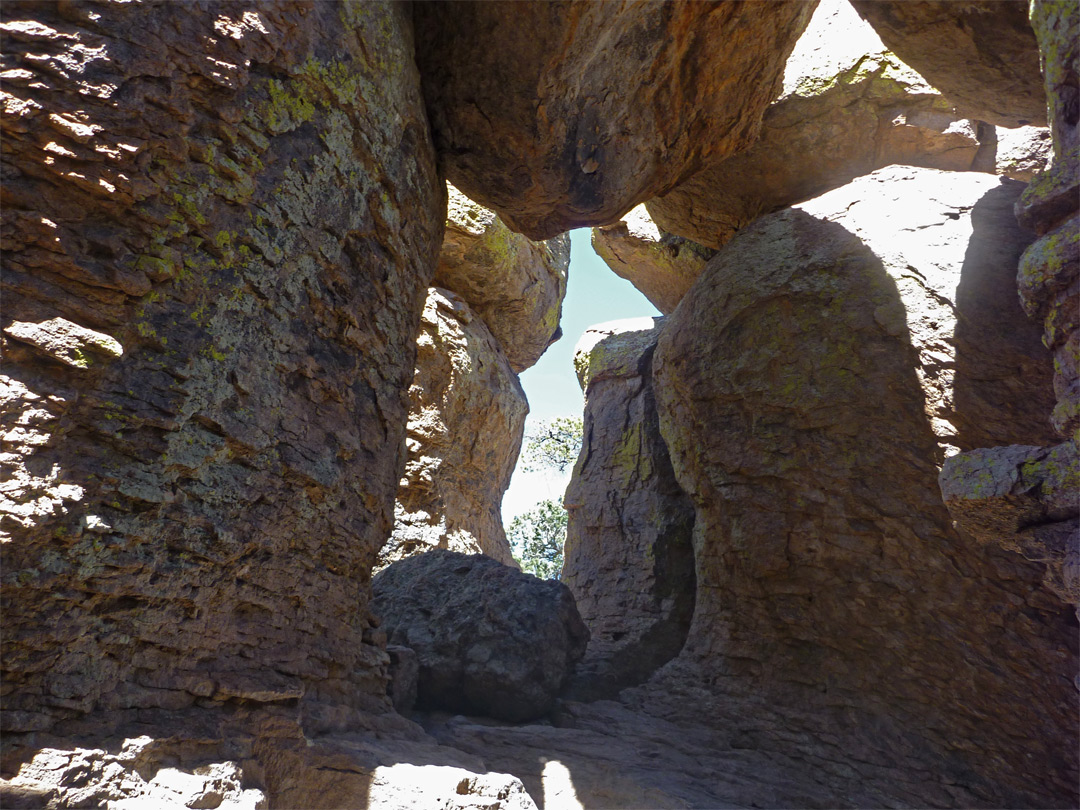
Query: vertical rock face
point(982, 54)
point(628, 557)
point(808, 387)
point(466, 418)
point(848, 107)
point(534, 115)
point(219, 225)
point(660, 265)
point(516, 285)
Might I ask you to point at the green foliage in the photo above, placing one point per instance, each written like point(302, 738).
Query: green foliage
point(553, 444)
point(537, 538)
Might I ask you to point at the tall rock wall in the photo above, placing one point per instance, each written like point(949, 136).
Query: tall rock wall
point(628, 558)
point(466, 419)
point(535, 117)
point(809, 387)
point(219, 226)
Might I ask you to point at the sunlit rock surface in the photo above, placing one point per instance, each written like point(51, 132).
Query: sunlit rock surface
point(466, 418)
point(809, 386)
point(516, 285)
point(660, 265)
point(562, 114)
point(848, 107)
point(628, 558)
point(982, 54)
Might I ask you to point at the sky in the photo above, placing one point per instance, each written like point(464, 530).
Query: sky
point(594, 294)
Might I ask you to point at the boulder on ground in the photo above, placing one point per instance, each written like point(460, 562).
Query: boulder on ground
point(466, 419)
point(628, 557)
point(490, 639)
point(661, 265)
point(514, 284)
point(562, 114)
point(848, 107)
point(982, 54)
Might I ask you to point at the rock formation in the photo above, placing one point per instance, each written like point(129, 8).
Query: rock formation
point(210, 297)
point(848, 107)
point(466, 418)
point(490, 640)
point(809, 386)
point(982, 54)
point(534, 117)
point(628, 559)
point(660, 265)
point(516, 285)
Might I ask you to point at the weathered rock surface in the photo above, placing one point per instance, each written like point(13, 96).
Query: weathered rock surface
point(516, 285)
point(849, 107)
point(1019, 154)
point(660, 265)
point(981, 54)
point(628, 558)
point(808, 388)
point(534, 116)
point(466, 419)
point(1049, 275)
point(219, 227)
point(490, 639)
point(1025, 500)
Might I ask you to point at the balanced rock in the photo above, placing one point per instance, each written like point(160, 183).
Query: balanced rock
point(848, 107)
point(466, 419)
point(534, 115)
point(628, 556)
point(515, 285)
point(809, 387)
point(490, 639)
point(981, 54)
point(660, 265)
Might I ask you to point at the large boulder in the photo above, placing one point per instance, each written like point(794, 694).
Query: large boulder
point(516, 285)
point(809, 386)
point(219, 228)
point(535, 117)
point(660, 265)
point(848, 107)
point(466, 419)
point(628, 558)
point(982, 54)
point(490, 639)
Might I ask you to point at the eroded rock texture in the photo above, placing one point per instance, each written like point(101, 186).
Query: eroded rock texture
point(809, 386)
point(466, 419)
point(628, 557)
point(490, 639)
point(219, 225)
point(516, 285)
point(660, 265)
point(534, 115)
point(849, 107)
point(981, 54)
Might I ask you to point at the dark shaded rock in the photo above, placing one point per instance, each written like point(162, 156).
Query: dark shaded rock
point(809, 387)
point(535, 115)
point(628, 557)
point(466, 418)
point(982, 54)
point(848, 107)
point(491, 640)
point(404, 677)
point(219, 224)
point(515, 285)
